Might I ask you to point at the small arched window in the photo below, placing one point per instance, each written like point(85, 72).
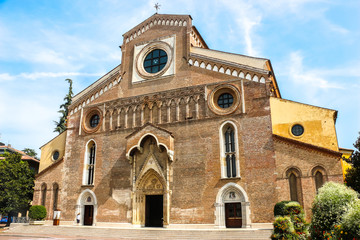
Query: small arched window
point(294, 179)
point(55, 195)
point(89, 166)
point(229, 151)
point(43, 194)
point(319, 180)
point(293, 187)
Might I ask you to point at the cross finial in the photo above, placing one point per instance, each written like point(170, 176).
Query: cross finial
point(157, 7)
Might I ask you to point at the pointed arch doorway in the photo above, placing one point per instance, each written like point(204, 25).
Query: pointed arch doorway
point(150, 201)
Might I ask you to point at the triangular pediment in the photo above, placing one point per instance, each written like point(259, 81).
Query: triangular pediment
point(157, 20)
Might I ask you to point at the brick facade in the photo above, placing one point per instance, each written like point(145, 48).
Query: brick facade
point(162, 136)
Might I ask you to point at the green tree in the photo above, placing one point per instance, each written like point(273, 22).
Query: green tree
point(30, 152)
point(64, 110)
point(352, 177)
point(16, 184)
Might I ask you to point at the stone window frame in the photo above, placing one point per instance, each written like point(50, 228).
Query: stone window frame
point(222, 129)
point(217, 92)
point(139, 61)
point(86, 121)
point(88, 165)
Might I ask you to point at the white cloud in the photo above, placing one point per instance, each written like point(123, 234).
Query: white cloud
point(6, 77)
point(37, 75)
point(311, 77)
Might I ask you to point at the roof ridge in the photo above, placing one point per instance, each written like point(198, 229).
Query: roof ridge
point(237, 54)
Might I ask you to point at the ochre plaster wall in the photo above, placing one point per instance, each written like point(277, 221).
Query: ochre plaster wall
point(58, 143)
point(318, 123)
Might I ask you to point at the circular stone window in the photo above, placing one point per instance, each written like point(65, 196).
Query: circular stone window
point(155, 61)
point(297, 130)
point(224, 99)
point(92, 120)
point(55, 155)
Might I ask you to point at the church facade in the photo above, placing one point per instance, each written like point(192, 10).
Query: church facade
point(179, 134)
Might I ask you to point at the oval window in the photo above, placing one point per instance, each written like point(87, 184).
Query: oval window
point(94, 120)
point(155, 61)
point(55, 155)
point(225, 100)
point(297, 130)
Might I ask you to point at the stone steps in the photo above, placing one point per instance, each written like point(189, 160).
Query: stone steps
point(82, 232)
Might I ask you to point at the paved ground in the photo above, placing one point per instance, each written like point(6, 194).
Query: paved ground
point(30, 232)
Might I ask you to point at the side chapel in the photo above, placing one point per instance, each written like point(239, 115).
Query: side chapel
point(181, 134)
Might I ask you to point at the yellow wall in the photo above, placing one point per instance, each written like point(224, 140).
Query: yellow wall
point(318, 123)
point(346, 153)
point(47, 150)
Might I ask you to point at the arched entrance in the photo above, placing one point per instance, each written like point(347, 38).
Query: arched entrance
point(150, 201)
point(87, 207)
point(232, 207)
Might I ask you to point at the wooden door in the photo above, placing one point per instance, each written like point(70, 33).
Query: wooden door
point(233, 215)
point(88, 215)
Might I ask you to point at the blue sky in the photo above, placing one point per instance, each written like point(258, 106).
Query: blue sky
point(313, 46)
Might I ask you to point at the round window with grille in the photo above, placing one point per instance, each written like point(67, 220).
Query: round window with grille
point(155, 61)
point(297, 130)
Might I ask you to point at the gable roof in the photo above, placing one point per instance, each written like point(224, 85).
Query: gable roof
point(24, 156)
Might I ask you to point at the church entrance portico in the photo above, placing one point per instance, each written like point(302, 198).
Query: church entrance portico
point(151, 161)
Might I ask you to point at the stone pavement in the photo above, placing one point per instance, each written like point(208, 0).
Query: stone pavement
point(31, 232)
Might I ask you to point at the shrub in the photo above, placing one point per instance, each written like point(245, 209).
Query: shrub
point(328, 208)
point(283, 228)
point(296, 228)
point(279, 208)
point(351, 222)
point(37, 212)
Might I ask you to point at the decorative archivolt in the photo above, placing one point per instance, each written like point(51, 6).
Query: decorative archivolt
point(226, 70)
point(157, 21)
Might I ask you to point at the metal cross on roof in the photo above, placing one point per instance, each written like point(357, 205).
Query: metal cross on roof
point(157, 7)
